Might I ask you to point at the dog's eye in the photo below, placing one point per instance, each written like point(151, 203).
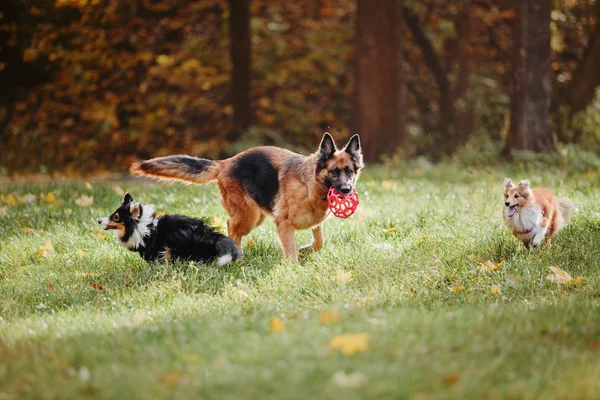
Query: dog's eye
point(116, 218)
point(348, 171)
point(335, 172)
point(506, 196)
point(516, 196)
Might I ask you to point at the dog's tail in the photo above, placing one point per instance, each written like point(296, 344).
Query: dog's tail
point(566, 207)
point(227, 250)
point(180, 168)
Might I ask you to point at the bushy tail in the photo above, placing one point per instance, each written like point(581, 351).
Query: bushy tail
point(180, 168)
point(227, 250)
point(566, 208)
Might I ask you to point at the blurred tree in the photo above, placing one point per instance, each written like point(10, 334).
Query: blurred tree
point(530, 98)
point(239, 27)
point(380, 86)
point(581, 89)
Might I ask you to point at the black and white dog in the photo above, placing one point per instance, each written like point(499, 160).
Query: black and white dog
point(168, 236)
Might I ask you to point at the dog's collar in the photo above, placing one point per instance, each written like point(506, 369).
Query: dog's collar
point(524, 232)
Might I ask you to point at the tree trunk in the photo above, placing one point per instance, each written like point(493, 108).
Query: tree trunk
point(239, 26)
point(380, 88)
point(581, 90)
point(447, 134)
point(530, 100)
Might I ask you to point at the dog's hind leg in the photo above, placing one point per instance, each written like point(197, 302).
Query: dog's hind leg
point(244, 213)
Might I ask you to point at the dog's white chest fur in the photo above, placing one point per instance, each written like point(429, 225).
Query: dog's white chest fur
point(141, 230)
point(526, 224)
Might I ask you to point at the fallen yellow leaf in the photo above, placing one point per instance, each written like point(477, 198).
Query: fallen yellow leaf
point(173, 379)
point(330, 316)
point(276, 326)
point(10, 200)
point(98, 235)
point(48, 198)
point(85, 201)
point(342, 277)
point(350, 343)
point(495, 290)
point(575, 282)
point(80, 253)
point(28, 198)
point(349, 381)
point(388, 185)
point(489, 266)
point(559, 276)
point(460, 288)
point(45, 250)
point(421, 239)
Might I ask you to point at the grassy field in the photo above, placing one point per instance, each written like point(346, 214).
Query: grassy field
point(397, 305)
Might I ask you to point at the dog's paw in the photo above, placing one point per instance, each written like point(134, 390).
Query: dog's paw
point(306, 249)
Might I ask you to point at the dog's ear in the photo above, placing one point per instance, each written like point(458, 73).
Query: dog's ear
point(127, 199)
point(353, 148)
point(524, 187)
point(327, 147)
point(508, 184)
point(135, 209)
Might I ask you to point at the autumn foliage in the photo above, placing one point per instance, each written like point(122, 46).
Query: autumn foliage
point(96, 84)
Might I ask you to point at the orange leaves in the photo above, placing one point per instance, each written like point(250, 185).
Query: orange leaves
point(343, 277)
point(458, 288)
point(350, 343)
point(276, 326)
point(97, 286)
point(562, 277)
point(48, 198)
point(164, 60)
point(489, 266)
point(98, 235)
point(46, 250)
point(421, 239)
point(9, 200)
point(328, 317)
point(85, 201)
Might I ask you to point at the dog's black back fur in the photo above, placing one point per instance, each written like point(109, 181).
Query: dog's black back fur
point(186, 238)
point(168, 236)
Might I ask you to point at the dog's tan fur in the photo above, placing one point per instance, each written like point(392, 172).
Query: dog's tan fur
point(302, 185)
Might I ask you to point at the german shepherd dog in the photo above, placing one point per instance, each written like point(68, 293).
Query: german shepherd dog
point(270, 181)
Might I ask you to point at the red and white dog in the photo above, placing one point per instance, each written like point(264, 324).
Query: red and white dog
point(534, 214)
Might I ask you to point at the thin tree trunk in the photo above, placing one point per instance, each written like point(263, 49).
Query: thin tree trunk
point(581, 90)
point(530, 101)
point(380, 87)
point(239, 26)
point(447, 134)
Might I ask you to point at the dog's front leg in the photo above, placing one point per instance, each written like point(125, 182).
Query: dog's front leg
point(317, 243)
point(537, 239)
point(286, 236)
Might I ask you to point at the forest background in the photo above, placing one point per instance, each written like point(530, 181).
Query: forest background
point(91, 85)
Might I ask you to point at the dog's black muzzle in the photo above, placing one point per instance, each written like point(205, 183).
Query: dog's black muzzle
point(344, 188)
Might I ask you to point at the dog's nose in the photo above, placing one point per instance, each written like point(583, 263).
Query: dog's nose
point(507, 203)
point(345, 189)
point(99, 221)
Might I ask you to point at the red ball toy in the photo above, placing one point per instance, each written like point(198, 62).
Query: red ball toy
point(342, 205)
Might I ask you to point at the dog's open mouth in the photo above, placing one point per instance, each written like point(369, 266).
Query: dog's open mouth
point(512, 210)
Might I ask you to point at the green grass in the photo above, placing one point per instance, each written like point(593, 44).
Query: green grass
point(201, 331)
